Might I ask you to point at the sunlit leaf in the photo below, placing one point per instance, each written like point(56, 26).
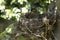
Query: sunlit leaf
point(2, 2)
point(13, 1)
point(8, 11)
point(24, 10)
point(9, 28)
point(3, 16)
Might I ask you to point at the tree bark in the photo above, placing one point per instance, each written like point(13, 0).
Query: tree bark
point(57, 31)
point(58, 14)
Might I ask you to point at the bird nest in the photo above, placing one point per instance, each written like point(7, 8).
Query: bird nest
point(37, 26)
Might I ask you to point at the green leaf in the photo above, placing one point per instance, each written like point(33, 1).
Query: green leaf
point(22, 38)
point(9, 28)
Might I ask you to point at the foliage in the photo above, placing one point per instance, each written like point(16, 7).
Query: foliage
point(7, 30)
point(14, 8)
